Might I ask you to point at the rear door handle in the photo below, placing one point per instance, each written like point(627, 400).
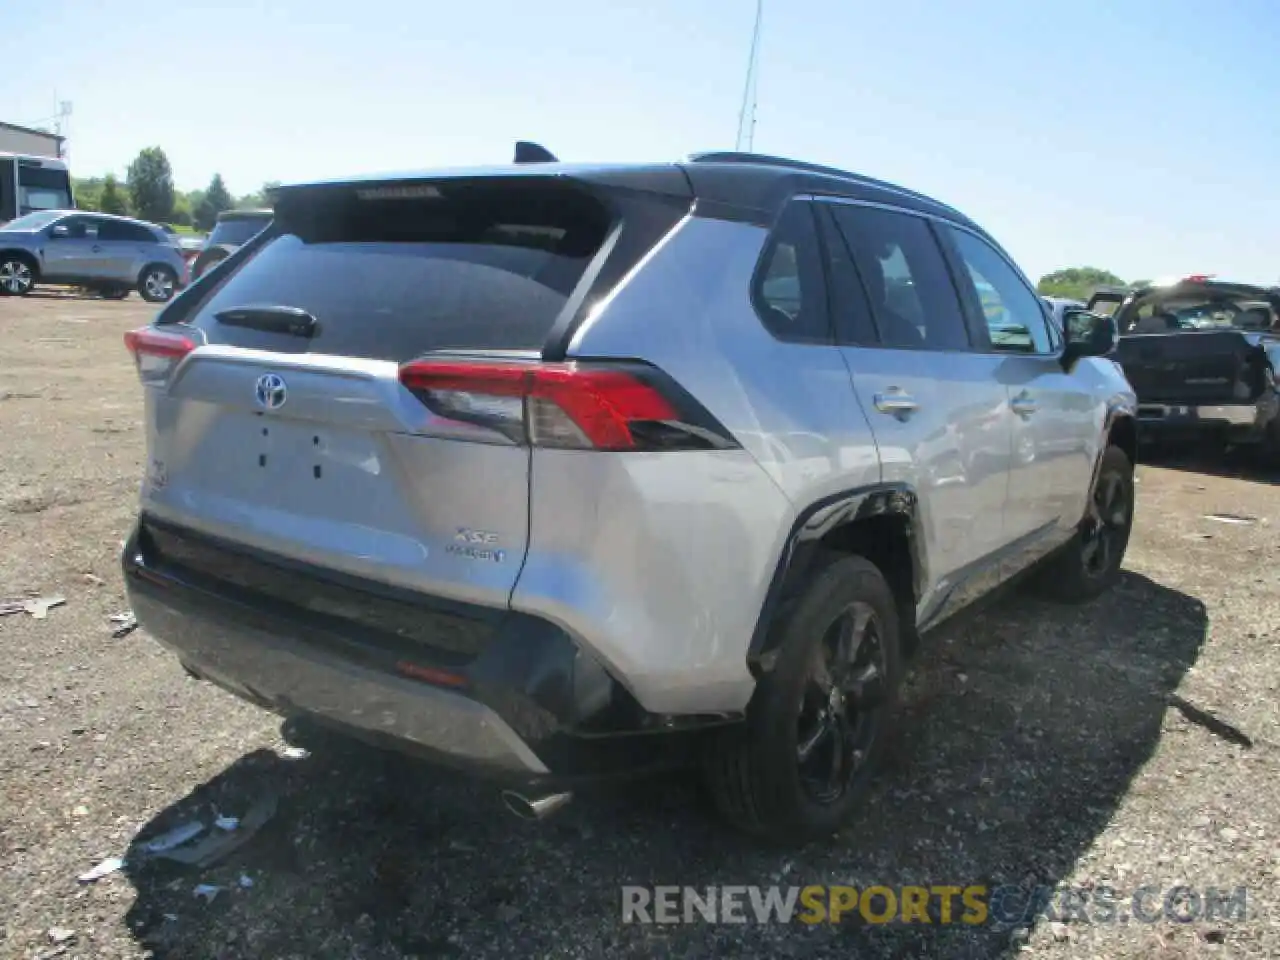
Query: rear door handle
point(1023, 405)
point(896, 402)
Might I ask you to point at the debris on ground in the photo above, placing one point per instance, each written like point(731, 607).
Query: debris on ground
point(295, 753)
point(38, 607)
point(217, 845)
point(206, 891)
point(1230, 518)
point(103, 869)
point(94, 580)
point(61, 934)
point(246, 881)
point(174, 838)
point(125, 624)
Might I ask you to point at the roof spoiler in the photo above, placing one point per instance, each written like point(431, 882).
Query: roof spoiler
point(529, 152)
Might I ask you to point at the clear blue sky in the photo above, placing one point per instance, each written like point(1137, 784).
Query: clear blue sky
point(1136, 135)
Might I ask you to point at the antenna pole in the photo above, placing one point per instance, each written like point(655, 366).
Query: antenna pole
point(747, 115)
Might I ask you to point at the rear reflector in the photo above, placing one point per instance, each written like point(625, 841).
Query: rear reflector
point(549, 405)
point(441, 678)
point(156, 353)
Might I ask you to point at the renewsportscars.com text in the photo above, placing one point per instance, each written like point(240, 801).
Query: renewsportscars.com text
point(971, 905)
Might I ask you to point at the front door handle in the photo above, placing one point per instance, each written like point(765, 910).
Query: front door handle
point(896, 402)
point(1023, 405)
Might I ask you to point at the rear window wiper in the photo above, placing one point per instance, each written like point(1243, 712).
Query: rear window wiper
point(293, 321)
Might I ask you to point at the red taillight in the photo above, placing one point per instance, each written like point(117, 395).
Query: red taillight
point(156, 353)
point(548, 405)
point(441, 678)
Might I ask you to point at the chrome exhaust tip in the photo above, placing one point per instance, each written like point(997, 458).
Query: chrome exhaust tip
point(536, 808)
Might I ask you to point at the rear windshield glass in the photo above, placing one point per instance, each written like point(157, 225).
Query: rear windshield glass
point(1175, 312)
point(394, 277)
point(237, 230)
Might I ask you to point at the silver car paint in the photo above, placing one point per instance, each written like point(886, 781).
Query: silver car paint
point(74, 259)
point(659, 563)
point(394, 482)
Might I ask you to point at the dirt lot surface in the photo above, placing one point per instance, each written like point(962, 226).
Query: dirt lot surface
point(1128, 744)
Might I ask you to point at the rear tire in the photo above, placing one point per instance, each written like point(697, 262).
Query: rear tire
point(17, 276)
point(805, 757)
point(1089, 564)
point(157, 284)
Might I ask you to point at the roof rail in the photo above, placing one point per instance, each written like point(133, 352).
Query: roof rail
point(737, 156)
point(734, 156)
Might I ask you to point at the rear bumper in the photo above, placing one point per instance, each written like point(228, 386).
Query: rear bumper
point(1240, 421)
point(530, 708)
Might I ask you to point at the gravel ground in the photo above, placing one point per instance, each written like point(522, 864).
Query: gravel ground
point(1129, 743)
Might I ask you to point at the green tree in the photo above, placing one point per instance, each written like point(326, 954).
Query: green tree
point(112, 198)
point(88, 193)
point(1076, 283)
point(182, 214)
point(151, 185)
point(260, 198)
point(213, 201)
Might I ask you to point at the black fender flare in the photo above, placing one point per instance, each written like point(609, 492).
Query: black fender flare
point(817, 521)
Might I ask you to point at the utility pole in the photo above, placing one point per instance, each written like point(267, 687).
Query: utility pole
point(747, 115)
point(62, 123)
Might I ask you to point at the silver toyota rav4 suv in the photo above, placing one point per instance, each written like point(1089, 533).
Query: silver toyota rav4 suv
point(556, 472)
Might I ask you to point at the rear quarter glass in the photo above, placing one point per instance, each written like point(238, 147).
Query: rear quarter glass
point(392, 279)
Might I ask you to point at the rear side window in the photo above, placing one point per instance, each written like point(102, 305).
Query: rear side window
point(480, 267)
point(125, 232)
point(913, 299)
point(237, 230)
point(789, 290)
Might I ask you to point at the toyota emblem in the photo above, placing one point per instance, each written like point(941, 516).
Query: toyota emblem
point(270, 391)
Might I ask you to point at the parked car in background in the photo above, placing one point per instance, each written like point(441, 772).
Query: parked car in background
point(232, 229)
point(107, 254)
point(446, 463)
point(1058, 307)
point(1202, 355)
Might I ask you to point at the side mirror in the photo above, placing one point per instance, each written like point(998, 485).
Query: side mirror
point(1088, 335)
point(60, 232)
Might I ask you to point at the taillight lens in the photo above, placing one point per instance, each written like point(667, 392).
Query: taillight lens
point(156, 353)
point(567, 406)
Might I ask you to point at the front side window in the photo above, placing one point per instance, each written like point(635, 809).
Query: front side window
point(1014, 316)
point(789, 290)
point(906, 279)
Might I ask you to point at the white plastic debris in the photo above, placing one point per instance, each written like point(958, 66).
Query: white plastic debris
point(174, 838)
point(61, 934)
point(295, 753)
point(1229, 518)
point(125, 624)
point(105, 868)
point(38, 607)
point(206, 892)
point(220, 843)
point(227, 823)
point(246, 881)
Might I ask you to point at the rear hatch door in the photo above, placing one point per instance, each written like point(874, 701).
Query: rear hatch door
point(287, 428)
point(1194, 341)
point(1191, 367)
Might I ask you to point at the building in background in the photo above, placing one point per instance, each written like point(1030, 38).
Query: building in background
point(30, 142)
